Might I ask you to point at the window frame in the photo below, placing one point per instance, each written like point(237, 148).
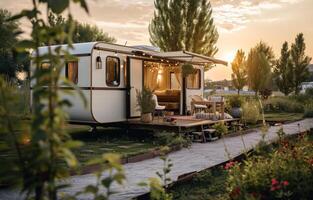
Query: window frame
point(119, 71)
point(199, 82)
point(66, 71)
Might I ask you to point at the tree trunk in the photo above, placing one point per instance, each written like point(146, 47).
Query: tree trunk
point(238, 91)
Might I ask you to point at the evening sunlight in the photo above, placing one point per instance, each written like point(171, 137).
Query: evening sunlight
point(156, 100)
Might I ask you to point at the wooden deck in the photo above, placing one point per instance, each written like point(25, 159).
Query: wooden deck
point(180, 125)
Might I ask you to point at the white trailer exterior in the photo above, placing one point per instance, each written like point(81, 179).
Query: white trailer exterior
point(107, 103)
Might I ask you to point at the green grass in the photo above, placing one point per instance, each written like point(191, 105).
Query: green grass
point(209, 184)
point(115, 140)
point(106, 140)
point(283, 117)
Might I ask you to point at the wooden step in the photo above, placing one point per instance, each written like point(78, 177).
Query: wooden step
point(209, 130)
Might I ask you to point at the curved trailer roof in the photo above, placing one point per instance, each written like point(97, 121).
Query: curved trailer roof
point(180, 56)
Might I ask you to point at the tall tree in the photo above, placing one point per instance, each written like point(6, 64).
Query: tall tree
point(167, 26)
point(283, 71)
point(11, 61)
point(82, 32)
point(205, 35)
point(258, 71)
point(268, 52)
point(300, 62)
point(239, 75)
point(184, 25)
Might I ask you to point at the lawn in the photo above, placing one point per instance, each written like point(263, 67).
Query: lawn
point(283, 117)
point(106, 140)
point(209, 184)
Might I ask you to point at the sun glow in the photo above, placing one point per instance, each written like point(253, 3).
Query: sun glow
point(229, 57)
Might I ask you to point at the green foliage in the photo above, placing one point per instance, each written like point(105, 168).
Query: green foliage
point(239, 75)
point(220, 128)
point(172, 139)
point(268, 52)
point(235, 101)
point(81, 32)
point(111, 164)
point(283, 104)
point(300, 62)
point(285, 173)
point(184, 25)
point(259, 65)
point(308, 110)
point(283, 71)
point(145, 102)
point(157, 188)
point(10, 121)
point(48, 146)
point(89, 33)
point(208, 184)
point(250, 112)
point(157, 192)
point(11, 61)
point(187, 69)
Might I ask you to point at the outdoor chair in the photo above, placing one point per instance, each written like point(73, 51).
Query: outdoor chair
point(198, 104)
point(158, 109)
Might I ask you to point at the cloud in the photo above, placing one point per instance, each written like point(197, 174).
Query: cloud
point(234, 15)
point(129, 19)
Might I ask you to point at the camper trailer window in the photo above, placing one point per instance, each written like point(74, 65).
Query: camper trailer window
point(113, 71)
point(194, 80)
point(71, 71)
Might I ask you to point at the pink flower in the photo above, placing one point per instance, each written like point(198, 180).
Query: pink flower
point(274, 182)
point(229, 165)
point(285, 183)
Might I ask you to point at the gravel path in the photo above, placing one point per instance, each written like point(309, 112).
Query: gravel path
point(198, 157)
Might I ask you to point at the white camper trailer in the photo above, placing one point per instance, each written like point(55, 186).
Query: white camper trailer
point(110, 74)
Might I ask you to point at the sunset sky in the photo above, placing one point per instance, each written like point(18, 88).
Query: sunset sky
point(241, 23)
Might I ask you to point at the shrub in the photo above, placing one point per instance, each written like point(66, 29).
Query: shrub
point(250, 112)
point(221, 129)
point(286, 173)
point(308, 110)
point(283, 104)
point(235, 101)
point(171, 139)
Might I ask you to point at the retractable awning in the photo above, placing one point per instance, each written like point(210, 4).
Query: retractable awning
point(186, 56)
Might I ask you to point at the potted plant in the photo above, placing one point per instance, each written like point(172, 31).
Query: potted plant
point(235, 103)
point(146, 104)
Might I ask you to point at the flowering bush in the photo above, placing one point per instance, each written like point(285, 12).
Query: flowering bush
point(286, 173)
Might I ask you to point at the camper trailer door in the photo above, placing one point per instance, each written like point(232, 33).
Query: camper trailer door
point(135, 78)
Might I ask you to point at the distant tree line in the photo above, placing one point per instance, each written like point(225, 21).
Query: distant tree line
point(13, 61)
point(261, 71)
